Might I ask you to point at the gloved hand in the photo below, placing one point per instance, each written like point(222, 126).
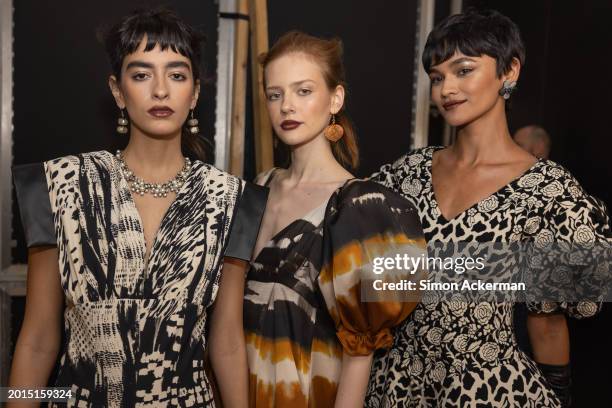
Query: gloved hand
point(560, 379)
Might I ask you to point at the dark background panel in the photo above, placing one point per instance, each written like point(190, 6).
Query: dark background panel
point(379, 40)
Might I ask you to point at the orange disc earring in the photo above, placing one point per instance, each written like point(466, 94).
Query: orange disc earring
point(333, 132)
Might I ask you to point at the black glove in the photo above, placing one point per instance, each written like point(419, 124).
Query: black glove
point(560, 379)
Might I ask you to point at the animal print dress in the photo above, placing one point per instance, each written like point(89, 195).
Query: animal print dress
point(135, 331)
point(464, 354)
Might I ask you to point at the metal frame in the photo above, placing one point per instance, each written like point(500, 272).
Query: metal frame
point(6, 160)
point(6, 131)
point(420, 91)
point(225, 73)
point(450, 132)
point(12, 276)
point(419, 136)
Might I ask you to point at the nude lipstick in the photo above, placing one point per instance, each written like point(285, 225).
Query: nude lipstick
point(450, 105)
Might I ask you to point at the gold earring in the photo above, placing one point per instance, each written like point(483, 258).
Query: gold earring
point(192, 124)
point(122, 123)
point(333, 132)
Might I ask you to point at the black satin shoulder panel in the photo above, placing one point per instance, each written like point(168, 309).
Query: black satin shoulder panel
point(245, 226)
point(34, 205)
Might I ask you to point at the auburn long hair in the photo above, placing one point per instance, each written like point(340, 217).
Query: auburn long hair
point(328, 55)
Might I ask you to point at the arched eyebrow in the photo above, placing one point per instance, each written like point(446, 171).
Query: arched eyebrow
point(178, 64)
point(148, 65)
point(293, 84)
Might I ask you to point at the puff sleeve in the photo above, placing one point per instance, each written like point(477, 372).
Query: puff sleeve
point(247, 219)
point(365, 222)
point(34, 206)
point(572, 265)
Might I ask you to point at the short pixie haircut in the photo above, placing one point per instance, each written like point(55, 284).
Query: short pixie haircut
point(161, 26)
point(475, 33)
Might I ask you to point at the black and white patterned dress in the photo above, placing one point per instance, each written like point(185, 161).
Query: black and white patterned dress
point(464, 354)
point(135, 330)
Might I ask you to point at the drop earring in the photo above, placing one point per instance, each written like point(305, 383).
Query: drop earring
point(507, 89)
point(122, 124)
point(333, 132)
point(192, 124)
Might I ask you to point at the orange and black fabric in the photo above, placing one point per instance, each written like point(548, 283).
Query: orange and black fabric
point(363, 223)
point(302, 306)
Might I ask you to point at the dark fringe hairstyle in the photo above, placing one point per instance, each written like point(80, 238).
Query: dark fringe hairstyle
point(475, 33)
point(164, 27)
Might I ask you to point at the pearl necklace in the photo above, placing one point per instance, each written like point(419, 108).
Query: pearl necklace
point(139, 186)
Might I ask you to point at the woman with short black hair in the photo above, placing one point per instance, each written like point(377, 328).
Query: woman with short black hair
point(135, 247)
point(482, 189)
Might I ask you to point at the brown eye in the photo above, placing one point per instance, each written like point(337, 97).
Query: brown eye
point(140, 76)
point(177, 76)
point(304, 91)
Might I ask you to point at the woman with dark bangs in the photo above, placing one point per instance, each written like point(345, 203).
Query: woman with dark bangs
point(135, 247)
point(483, 188)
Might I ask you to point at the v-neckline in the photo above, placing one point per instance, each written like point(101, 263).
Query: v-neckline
point(434, 200)
point(303, 217)
point(286, 227)
point(147, 255)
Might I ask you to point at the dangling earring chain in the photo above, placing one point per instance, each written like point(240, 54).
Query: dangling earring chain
point(333, 132)
point(139, 186)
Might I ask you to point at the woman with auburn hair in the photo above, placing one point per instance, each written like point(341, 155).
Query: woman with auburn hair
point(482, 189)
point(134, 249)
point(309, 335)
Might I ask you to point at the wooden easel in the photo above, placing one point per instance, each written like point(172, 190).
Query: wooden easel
point(248, 27)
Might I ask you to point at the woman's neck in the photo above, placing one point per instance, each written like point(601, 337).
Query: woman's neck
point(154, 160)
point(314, 162)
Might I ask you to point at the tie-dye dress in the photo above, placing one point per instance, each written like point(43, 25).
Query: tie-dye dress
point(303, 306)
point(135, 329)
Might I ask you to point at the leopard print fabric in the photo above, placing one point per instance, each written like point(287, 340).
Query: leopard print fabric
point(464, 354)
point(135, 329)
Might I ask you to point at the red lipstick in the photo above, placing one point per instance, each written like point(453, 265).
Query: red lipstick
point(289, 124)
point(160, 111)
